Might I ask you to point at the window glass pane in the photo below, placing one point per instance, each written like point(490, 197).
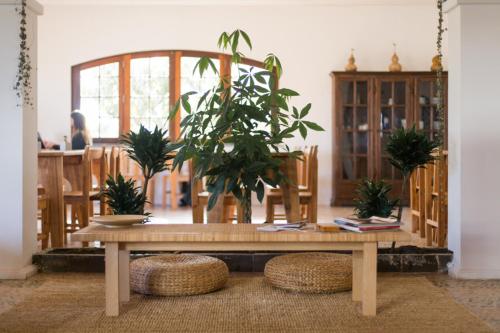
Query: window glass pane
point(193, 82)
point(99, 91)
point(149, 92)
point(347, 89)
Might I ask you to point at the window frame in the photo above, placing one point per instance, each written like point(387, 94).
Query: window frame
point(124, 82)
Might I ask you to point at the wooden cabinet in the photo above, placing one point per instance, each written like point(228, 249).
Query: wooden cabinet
point(367, 108)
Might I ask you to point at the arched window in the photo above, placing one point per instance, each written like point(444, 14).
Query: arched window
point(118, 93)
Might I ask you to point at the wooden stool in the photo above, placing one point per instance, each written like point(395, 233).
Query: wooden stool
point(310, 272)
point(177, 275)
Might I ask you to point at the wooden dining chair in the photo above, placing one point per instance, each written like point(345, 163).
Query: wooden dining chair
point(436, 197)
point(308, 193)
point(173, 178)
point(99, 173)
point(199, 200)
point(114, 164)
point(43, 207)
point(78, 172)
point(417, 201)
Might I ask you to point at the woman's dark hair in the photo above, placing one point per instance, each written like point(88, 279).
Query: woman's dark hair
point(78, 121)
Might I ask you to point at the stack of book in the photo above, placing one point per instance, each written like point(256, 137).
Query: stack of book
point(371, 224)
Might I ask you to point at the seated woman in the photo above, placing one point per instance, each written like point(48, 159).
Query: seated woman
point(80, 136)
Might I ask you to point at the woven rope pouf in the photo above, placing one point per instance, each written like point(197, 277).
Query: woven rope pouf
point(177, 275)
point(310, 272)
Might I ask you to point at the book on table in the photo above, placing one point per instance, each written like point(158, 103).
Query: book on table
point(282, 227)
point(373, 223)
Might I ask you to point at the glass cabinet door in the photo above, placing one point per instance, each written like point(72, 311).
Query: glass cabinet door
point(393, 113)
point(354, 126)
point(426, 113)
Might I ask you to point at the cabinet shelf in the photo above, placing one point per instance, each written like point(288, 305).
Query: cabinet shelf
point(390, 104)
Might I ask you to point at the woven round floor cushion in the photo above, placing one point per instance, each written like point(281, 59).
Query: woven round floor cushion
point(310, 272)
point(177, 275)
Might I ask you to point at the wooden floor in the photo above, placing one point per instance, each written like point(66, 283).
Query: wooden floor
point(325, 214)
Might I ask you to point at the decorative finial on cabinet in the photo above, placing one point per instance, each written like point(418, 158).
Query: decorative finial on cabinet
point(351, 63)
point(436, 64)
point(395, 66)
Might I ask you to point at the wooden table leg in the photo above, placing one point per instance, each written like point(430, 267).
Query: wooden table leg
point(357, 275)
point(124, 274)
point(112, 279)
point(290, 190)
point(216, 214)
point(50, 176)
point(369, 297)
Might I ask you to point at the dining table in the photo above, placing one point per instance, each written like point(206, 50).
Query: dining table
point(51, 178)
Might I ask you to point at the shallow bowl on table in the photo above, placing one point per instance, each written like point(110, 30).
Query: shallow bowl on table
point(118, 221)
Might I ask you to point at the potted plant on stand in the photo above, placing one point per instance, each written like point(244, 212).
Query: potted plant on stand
point(150, 150)
point(233, 131)
point(408, 150)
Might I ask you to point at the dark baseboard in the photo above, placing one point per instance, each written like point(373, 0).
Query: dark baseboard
point(406, 259)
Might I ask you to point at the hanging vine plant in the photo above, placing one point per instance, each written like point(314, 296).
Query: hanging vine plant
point(23, 78)
point(439, 72)
point(440, 106)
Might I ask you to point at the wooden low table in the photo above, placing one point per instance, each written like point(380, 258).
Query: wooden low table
point(233, 237)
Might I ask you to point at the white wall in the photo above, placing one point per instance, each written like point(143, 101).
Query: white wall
point(19, 148)
point(474, 138)
point(310, 40)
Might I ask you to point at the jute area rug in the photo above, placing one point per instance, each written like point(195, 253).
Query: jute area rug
point(75, 303)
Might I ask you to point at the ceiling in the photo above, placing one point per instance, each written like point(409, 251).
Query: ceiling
point(240, 2)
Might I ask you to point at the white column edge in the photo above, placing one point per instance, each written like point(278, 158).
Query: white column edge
point(34, 5)
point(450, 5)
point(18, 274)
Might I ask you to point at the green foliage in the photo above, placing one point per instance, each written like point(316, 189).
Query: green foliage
point(150, 150)
point(123, 197)
point(236, 126)
point(410, 149)
point(372, 199)
point(23, 86)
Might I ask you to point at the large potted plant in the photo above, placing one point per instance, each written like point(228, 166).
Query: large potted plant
point(408, 150)
point(232, 132)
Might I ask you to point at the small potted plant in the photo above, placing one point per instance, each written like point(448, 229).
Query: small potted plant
point(233, 131)
point(124, 197)
point(372, 199)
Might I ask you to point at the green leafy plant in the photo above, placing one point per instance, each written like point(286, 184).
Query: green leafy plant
point(236, 126)
point(23, 85)
point(123, 197)
point(409, 149)
point(372, 199)
point(150, 150)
